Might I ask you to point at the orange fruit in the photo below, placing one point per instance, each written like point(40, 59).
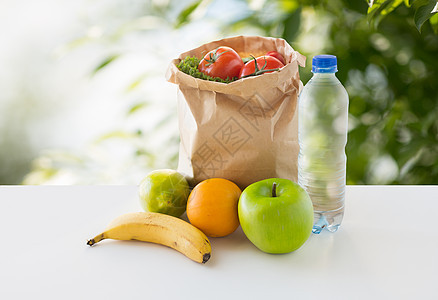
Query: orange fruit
point(212, 207)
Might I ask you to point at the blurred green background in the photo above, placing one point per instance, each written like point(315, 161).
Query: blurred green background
point(94, 107)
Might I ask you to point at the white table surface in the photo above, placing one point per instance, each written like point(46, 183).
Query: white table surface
point(386, 248)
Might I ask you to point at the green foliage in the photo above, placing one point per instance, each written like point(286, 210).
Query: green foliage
point(391, 76)
point(184, 15)
point(292, 25)
point(381, 8)
point(434, 22)
point(390, 70)
point(423, 11)
point(105, 62)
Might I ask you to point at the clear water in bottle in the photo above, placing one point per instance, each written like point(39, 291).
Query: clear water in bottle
point(322, 135)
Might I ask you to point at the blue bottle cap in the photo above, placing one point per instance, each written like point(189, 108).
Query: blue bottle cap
point(324, 64)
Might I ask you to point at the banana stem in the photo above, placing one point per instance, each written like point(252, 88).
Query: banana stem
point(96, 239)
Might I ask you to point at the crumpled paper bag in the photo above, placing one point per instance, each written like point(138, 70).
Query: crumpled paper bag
point(243, 131)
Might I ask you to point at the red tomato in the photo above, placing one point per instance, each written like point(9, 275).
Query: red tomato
point(277, 56)
point(222, 62)
point(265, 64)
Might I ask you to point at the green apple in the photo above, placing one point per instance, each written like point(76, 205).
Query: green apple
point(276, 215)
point(164, 191)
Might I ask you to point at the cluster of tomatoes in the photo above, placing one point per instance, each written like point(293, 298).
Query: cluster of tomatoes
point(225, 62)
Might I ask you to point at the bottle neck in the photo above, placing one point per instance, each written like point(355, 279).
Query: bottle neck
point(323, 75)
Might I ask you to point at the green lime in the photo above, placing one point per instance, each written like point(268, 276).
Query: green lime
point(164, 191)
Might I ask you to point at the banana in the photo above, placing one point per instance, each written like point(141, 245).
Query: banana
point(160, 229)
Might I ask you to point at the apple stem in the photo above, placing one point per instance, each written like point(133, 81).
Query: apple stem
point(274, 190)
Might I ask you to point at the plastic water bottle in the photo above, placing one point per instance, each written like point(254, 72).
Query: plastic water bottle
point(322, 135)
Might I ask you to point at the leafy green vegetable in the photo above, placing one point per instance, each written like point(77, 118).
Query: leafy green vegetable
point(189, 65)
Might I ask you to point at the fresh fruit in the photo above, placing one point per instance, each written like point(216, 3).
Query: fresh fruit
point(277, 56)
point(265, 64)
point(222, 62)
point(276, 215)
point(212, 207)
point(164, 191)
point(159, 229)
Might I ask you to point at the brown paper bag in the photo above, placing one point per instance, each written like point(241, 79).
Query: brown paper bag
point(243, 131)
